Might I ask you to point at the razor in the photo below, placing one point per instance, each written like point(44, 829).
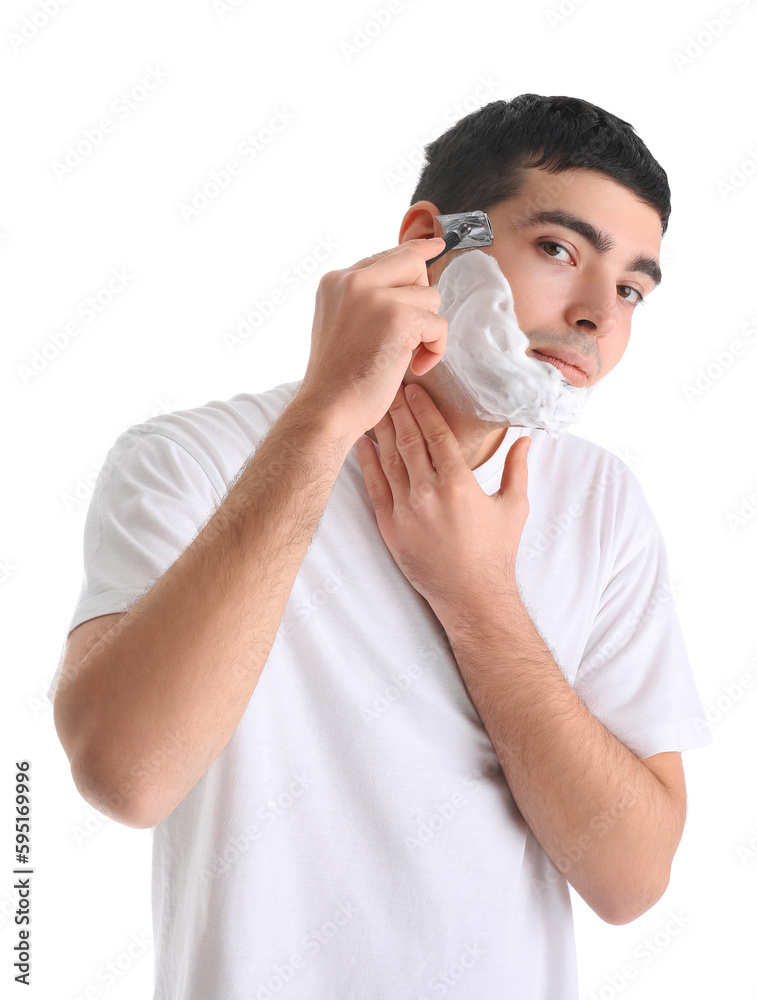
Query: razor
point(463, 230)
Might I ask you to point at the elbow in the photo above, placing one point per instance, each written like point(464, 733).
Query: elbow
point(624, 905)
point(99, 772)
point(113, 794)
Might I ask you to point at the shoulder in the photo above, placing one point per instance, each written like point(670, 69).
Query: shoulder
point(587, 478)
point(219, 436)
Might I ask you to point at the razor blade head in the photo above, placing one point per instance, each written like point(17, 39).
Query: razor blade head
point(473, 228)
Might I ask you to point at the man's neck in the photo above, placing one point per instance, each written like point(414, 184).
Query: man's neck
point(476, 449)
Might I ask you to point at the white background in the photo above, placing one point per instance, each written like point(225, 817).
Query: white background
point(355, 119)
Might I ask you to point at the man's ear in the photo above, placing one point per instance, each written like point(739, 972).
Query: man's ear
point(420, 223)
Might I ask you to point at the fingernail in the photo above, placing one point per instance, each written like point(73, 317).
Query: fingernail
point(410, 391)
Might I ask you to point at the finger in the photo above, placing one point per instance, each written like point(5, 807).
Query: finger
point(402, 265)
point(391, 459)
point(441, 444)
point(515, 473)
point(432, 347)
point(373, 475)
point(430, 326)
point(431, 330)
point(410, 442)
point(423, 297)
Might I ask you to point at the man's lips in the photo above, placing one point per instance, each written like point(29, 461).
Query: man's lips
point(575, 367)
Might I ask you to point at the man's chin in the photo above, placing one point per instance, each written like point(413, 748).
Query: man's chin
point(454, 402)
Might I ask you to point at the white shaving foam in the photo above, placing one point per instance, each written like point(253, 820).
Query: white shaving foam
point(486, 351)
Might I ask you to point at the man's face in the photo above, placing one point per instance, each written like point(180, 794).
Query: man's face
point(569, 294)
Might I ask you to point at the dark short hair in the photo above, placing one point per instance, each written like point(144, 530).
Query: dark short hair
point(480, 160)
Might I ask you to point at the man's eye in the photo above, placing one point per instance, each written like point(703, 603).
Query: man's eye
point(549, 243)
point(638, 301)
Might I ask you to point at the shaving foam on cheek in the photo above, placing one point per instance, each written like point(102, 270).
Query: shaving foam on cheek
point(486, 351)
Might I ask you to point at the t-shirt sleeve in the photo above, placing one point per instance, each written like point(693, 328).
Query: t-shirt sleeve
point(151, 499)
point(635, 675)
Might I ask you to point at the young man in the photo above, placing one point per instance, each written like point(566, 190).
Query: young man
point(374, 754)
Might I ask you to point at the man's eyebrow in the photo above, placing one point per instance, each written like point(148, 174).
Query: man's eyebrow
point(600, 241)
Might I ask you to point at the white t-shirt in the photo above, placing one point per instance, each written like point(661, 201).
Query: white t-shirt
point(356, 838)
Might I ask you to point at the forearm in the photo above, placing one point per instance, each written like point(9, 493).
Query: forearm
point(606, 822)
point(160, 695)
